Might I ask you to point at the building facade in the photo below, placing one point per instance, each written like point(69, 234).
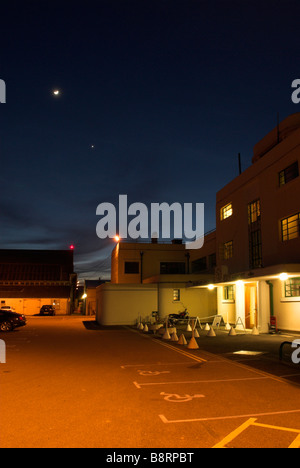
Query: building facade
point(248, 270)
point(152, 278)
point(30, 279)
point(257, 238)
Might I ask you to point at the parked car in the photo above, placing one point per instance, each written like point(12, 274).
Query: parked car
point(8, 308)
point(47, 310)
point(11, 320)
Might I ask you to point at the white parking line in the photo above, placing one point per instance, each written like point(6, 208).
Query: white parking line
point(219, 418)
point(125, 366)
point(140, 385)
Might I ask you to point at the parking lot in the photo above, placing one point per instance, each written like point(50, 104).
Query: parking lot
point(242, 390)
point(76, 384)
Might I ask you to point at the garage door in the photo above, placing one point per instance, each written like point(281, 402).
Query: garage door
point(32, 306)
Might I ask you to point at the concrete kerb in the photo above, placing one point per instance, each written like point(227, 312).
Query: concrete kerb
point(248, 340)
point(170, 333)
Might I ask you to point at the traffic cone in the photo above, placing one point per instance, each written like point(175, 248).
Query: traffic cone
point(193, 344)
point(141, 327)
point(146, 329)
point(166, 335)
point(207, 327)
point(196, 333)
point(189, 328)
point(232, 332)
point(255, 331)
point(182, 340)
point(227, 327)
point(211, 332)
point(174, 336)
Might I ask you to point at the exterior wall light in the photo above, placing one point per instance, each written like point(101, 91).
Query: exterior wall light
point(283, 277)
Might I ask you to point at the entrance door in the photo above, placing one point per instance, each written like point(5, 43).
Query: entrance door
point(251, 305)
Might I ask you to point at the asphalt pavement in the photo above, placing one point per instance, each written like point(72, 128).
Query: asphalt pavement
point(69, 383)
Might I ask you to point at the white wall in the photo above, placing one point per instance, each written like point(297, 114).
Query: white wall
point(226, 308)
point(263, 306)
point(287, 310)
point(120, 304)
point(124, 304)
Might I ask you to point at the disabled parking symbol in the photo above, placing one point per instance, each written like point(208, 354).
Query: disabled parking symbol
point(174, 398)
point(151, 373)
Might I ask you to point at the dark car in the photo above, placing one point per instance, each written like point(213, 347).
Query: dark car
point(11, 320)
point(47, 310)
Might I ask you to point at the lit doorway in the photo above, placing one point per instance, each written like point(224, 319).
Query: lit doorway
point(250, 305)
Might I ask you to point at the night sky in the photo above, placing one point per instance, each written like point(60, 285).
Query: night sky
point(168, 92)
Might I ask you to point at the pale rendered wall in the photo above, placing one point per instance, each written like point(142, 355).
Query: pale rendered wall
point(124, 304)
point(287, 310)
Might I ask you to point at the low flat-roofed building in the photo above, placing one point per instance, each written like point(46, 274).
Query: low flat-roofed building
point(30, 279)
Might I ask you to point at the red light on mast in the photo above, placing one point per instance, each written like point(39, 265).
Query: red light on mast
point(72, 247)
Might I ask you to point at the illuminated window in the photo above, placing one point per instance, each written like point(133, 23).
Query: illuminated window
point(292, 287)
point(228, 250)
point(228, 293)
point(254, 212)
point(289, 174)
point(176, 295)
point(226, 211)
point(290, 227)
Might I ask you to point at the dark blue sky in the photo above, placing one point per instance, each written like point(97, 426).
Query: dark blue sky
point(168, 91)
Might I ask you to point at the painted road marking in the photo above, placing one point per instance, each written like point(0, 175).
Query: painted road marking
point(233, 435)
point(146, 373)
point(255, 371)
point(140, 385)
point(223, 418)
point(296, 443)
point(252, 422)
point(221, 358)
point(154, 364)
point(174, 398)
point(184, 353)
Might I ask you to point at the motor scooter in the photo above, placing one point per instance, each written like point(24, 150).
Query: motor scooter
point(175, 319)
